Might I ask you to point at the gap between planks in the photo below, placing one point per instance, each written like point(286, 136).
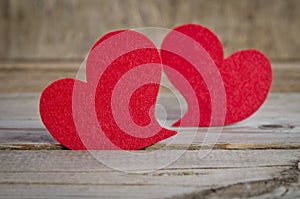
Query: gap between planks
point(225, 146)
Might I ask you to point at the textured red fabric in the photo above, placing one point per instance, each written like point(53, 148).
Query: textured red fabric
point(114, 109)
point(246, 75)
point(80, 116)
point(56, 113)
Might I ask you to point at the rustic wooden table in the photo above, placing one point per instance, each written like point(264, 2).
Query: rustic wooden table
point(255, 158)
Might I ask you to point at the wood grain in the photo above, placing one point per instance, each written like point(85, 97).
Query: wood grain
point(65, 30)
point(20, 127)
point(57, 174)
point(35, 76)
point(258, 157)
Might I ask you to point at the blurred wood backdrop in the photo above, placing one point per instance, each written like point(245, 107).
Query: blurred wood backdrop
point(62, 31)
point(65, 30)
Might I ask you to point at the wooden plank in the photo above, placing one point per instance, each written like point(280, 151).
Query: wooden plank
point(65, 160)
point(140, 185)
point(180, 178)
point(18, 191)
point(35, 76)
point(37, 140)
point(285, 187)
point(66, 174)
point(286, 77)
point(25, 106)
point(19, 106)
point(20, 127)
point(221, 173)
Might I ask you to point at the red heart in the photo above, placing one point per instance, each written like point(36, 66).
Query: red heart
point(90, 115)
point(246, 75)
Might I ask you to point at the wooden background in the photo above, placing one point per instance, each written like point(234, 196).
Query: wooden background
point(66, 29)
point(44, 40)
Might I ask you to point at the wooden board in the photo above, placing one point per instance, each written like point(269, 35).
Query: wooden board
point(254, 158)
point(64, 171)
point(35, 76)
point(267, 128)
point(54, 174)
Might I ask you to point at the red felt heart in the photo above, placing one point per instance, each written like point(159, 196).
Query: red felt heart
point(246, 75)
point(123, 72)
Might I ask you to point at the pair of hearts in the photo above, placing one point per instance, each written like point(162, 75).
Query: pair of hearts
point(114, 108)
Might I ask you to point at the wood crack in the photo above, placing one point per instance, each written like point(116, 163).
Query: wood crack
point(285, 185)
point(198, 146)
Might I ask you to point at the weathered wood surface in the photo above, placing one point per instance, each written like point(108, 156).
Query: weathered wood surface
point(255, 158)
point(35, 76)
point(272, 126)
point(64, 171)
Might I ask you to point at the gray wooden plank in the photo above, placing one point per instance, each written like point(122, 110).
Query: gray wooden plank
point(20, 127)
point(65, 160)
point(20, 139)
point(183, 178)
point(19, 106)
point(69, 174)
point(287, 186)
point(24, 106)
point(211, 178)
point(33, 191)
